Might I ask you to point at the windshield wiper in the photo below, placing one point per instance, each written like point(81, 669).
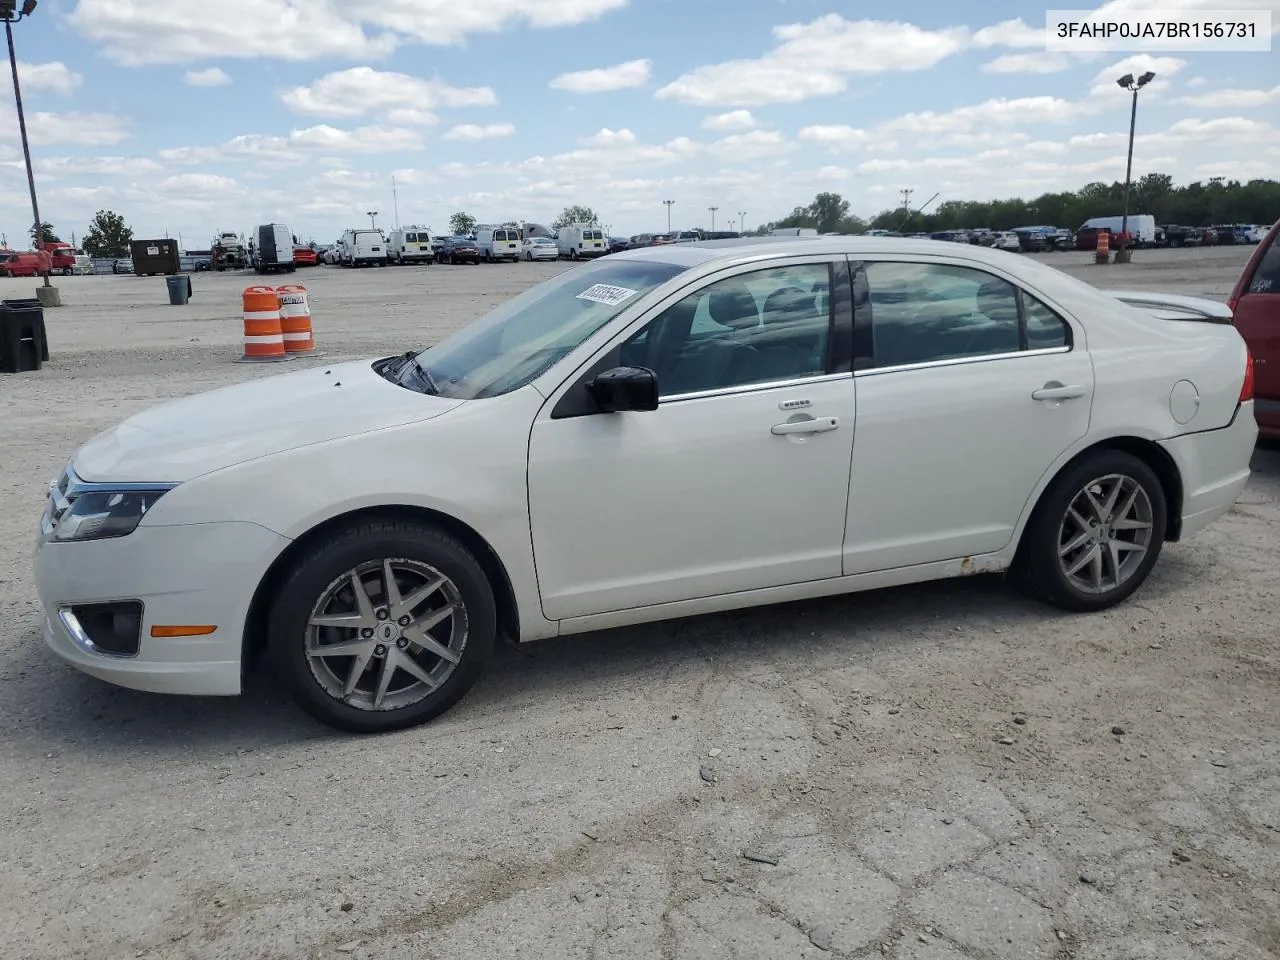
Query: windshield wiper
point(411, 359)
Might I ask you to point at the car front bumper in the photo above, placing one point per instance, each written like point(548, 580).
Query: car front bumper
point(199, 574)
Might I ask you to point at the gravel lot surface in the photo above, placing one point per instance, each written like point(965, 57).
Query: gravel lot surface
point(929, 773)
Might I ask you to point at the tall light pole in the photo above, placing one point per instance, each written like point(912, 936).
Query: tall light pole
point(713, 218)
point(10, 14)
point(742, 221)
point(371, 214)
point(1128, 83)
point(668, 204)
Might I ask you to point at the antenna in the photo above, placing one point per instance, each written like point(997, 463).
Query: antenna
point(395, 200)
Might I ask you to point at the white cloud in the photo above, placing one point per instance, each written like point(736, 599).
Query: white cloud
point(1120, 7)
point(53, 129)
point(96, 166)
point(1042, 62)
point(815, 59)
point(472, 131)
point(54, 77)
point(213, 77)
point(749, 146)
point(733, 120)
point(1195, 82)
point(1010, 33)
point(610, 138)
point(837, 136)
point(361, 91)
point(299, 146)
point(633, 73)
point(138, 32)
point(197, 184)
point(995, 113)
point(1233, 99)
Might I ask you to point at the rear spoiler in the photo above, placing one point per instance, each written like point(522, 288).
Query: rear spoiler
point(1172, 306)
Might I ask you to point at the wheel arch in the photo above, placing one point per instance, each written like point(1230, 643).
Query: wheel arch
point(254, 639)
point(1150, 453)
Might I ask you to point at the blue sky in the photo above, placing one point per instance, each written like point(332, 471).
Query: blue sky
point(190, 116)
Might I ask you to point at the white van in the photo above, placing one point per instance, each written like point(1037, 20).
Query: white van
point(1142, 227)
point(410, 245)
point(498, 243)
point(362, 248)
point(578, 241)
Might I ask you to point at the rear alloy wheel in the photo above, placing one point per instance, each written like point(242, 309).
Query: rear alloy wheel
point(383, 626)
point(1096, 533)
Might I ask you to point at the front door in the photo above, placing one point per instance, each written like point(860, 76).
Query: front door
point(1257, 317)
point(971, 390)
point(737, 481)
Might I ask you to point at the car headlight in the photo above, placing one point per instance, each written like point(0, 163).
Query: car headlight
point(100, 514)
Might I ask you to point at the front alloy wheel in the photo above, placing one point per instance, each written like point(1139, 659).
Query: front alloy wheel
point(382, 626)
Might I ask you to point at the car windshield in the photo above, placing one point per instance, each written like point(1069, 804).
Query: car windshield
point(526, 336)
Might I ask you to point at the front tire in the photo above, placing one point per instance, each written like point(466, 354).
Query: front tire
point(384, 625)
point(1095, 534)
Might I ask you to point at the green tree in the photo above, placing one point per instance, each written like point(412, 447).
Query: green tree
point(574, 214)
point(462, 223)
point(827, 211)
point(108, 235)
point(46, 233)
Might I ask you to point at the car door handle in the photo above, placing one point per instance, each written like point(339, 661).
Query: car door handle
point(815, 425)
point(1057, 391)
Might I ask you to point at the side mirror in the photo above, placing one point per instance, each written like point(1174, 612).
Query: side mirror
point(625, 388)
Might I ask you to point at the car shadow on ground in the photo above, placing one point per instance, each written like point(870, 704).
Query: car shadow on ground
point(73, 713)
point(49, 707)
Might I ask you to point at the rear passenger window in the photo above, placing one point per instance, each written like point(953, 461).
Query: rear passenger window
point(923, 312)
point(1045, 329)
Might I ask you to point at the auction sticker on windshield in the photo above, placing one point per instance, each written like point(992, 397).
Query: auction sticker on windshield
point(607, 294)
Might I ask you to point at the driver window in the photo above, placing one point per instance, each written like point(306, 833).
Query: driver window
point(757, 327)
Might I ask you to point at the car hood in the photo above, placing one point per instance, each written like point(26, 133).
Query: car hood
point(184, 439)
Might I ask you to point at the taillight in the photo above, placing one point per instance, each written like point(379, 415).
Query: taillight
point(1246, 390)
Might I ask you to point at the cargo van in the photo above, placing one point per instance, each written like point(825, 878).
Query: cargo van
point(273, 249)
point(579, 241)
point(499, 243)
point(410, 245)
point(1142, 228)
point(363, 248)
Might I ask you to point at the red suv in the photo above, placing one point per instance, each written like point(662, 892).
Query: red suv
point(1255, 302)
point(28, 263)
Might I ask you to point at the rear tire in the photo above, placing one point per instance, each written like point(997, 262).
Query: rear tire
point(1112, 550)
point(320, 583)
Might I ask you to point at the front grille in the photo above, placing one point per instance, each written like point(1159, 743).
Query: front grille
point(113, 628)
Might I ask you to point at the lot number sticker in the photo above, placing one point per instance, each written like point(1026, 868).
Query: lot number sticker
point(607, 294)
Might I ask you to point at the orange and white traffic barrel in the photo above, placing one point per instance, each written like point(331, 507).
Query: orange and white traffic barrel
point(1102, 254)
point(263, 338)
point(295, 320)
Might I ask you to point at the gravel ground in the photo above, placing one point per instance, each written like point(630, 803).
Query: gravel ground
point(929, 773)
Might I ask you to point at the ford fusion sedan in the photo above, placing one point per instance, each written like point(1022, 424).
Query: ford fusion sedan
point(669, 431)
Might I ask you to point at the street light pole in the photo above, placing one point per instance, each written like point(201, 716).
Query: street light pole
point(713, 218)
point(668, 204)
point(1128, 83)
point(742, 221)
point(373, 225)
point(11, 16)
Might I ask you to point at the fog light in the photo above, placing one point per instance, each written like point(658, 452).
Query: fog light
point(108, 629)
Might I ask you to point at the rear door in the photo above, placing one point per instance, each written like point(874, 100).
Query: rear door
point(1257, 317)
point(969, 389)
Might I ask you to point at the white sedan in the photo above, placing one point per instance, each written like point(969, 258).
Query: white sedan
point(669, 431)
point(539, 248)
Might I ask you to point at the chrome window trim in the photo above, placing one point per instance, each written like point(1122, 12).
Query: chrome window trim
point(958, 361)
point(753, 387)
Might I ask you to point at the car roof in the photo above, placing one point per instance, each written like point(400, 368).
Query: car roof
point(726, 252)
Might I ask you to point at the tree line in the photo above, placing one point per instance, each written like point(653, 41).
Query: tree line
point(1199, 204)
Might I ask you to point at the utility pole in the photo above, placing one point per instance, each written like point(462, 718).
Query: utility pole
point(395, 200)
point(669, 204)
point(48, 293)
point(906, 198)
